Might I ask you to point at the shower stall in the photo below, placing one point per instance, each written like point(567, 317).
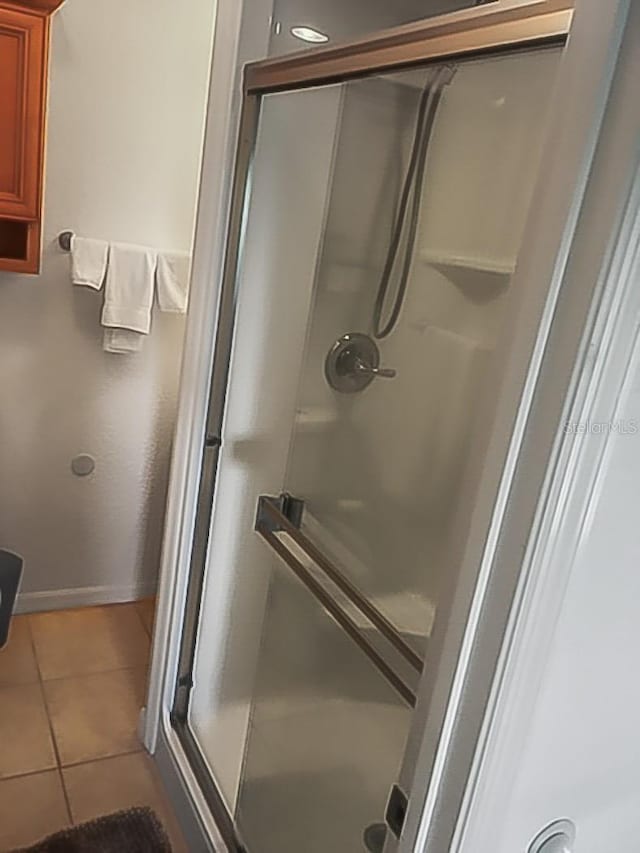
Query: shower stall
point(366, 322)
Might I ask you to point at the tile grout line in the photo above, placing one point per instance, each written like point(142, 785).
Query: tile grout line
point(65, 794)
point(94, 673)
point(144, 624)
point(11, 776)
point(42, 682)
point(85, 674)
point(162, 802)
point(52, 733)
point(99, 758)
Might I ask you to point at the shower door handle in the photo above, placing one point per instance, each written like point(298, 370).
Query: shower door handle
point(282, 515)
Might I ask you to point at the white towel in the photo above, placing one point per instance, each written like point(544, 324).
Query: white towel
point(122, 341)
point(129, 288)
point(88, 261)
point(172, 281)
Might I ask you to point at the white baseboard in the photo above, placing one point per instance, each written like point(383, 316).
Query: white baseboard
point(61, 599)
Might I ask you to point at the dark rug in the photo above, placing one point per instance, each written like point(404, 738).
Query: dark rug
point(132, 831)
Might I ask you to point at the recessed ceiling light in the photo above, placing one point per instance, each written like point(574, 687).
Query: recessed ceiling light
point(309, 34)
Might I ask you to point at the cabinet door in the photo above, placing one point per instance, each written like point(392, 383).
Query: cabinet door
point(22, 62)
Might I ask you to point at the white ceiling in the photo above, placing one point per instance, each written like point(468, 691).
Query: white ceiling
point(342, 20)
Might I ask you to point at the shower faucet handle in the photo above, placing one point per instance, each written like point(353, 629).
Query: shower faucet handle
point(353, 362)
point(379, 372)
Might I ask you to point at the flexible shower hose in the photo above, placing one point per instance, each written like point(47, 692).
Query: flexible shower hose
point(414, 179)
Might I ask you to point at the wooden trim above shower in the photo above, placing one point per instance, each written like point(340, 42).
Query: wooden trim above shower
point(42, 7)
point(24, 48)
point(495, 26)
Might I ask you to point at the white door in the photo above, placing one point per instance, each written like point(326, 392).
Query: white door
point(557, 765)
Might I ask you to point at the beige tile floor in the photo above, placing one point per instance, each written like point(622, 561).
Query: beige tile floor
point(71, 687)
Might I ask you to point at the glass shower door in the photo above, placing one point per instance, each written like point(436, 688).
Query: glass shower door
point(379, 464)
point(380, 235)
point(327, 734)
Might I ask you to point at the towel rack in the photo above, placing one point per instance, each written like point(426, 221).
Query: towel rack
point(64, 240)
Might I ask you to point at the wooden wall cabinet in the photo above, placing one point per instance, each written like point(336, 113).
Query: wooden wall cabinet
point(24, 43)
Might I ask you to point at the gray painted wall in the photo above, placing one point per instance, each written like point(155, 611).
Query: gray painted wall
point(127, 94)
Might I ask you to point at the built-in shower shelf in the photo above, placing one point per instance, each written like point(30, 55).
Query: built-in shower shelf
point(469, 272)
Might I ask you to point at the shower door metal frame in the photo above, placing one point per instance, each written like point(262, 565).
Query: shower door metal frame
point(493, 27)
point(503, 26)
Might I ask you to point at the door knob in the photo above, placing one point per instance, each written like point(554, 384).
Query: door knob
point(558, 837)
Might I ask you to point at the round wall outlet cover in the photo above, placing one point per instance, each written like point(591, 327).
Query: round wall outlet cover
point(83, 465)
point(557, 837)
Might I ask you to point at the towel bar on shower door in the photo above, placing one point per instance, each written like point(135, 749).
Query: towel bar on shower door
point(350, 608)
